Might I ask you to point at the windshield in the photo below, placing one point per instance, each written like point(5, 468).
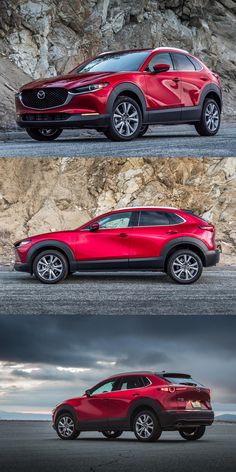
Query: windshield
point(114, 62)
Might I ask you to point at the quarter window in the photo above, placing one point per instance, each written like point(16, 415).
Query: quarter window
point(160, 58)
point(182, 62)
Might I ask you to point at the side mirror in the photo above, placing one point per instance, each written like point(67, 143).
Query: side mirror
point(160, 68)
point(87, 393)
point(94, 226)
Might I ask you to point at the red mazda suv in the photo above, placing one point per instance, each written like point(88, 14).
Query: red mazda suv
point(146, 403)
point(145, 238)
point(121, 93)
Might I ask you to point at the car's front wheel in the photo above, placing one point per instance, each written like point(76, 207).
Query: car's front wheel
point(50, 267)
point(146, 426)
point(210, 118)
point(184, 266)
point(125, 120)
point(43, 134)
point(66, 428)
point(112, 434)
point(192, 434)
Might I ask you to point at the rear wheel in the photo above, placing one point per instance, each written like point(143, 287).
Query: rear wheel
point(43, 134)
point(50, 267)
point(143, 130)
point(125, 120)
point(192, 434)
point(65, 427)
point(184, 266)
point(112, 434)
point(210, 119)
point(146, 426)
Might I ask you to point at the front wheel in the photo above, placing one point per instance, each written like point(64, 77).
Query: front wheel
point(192, 434)
point(50, 267)
point(65, 427)
point(184, 266)
point(112, 434)
point(210, 118)
point(43, 134)
point(146, 426)
point(125, 120)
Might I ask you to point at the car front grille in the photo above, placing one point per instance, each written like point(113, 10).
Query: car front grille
point(45, 117)
point(44, 98)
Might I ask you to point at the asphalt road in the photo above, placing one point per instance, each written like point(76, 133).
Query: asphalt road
point(34, 446)
point(120, 294)
point(160, 141)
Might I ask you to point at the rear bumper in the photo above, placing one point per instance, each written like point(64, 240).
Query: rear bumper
point(212, 258)
point(173, 419)
point(53, 120)
point(22, 267)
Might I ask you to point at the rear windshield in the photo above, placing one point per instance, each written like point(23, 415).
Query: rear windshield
point(181, 380)
point(114, 62)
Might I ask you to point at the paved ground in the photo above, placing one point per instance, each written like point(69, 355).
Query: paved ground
point(34, 446)
point(161, 141)
point(120, 294)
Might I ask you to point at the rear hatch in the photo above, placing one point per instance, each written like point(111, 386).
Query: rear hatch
point(181, 392)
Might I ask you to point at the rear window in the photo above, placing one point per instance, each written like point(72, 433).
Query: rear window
point(180, 379)
point(158, 218)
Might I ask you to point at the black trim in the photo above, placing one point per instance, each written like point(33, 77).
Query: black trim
point(63, 409)
point(148, 263)
point(74, 121)
point(212, 258)
point(167, 116)
point(102, 264)
point(174, 243)
point(43, 245)
point(22, 267)
point(124, 87)
point(172, 420)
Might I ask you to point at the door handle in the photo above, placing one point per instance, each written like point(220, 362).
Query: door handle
point(204, 78)
point(135, 394)
point(172, 231)
point(176, 80)
point(123, 235)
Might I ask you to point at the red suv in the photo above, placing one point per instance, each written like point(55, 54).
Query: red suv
point(121, 93)
point(144, 402)
point(146, 238)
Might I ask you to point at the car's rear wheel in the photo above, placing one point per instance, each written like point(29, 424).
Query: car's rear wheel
point(192, 434)
point(43, 134)
point(146, 426)
point(50, 267)
point(184, 266)
point(112, 434)
point(66, 428)
point(210, 118)
point(143, 130)
point(125, 120)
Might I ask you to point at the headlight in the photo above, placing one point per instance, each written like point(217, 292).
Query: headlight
point(23, 243)
point(88, 88)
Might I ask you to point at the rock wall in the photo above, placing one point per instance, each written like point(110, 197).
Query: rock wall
point(50, 36)
point(40, 195)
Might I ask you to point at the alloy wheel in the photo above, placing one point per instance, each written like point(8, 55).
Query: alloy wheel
point(126, 119)
point(185, 267)
point(144, 426)
point(212, 116)
point(66, 426)
point(49, 267)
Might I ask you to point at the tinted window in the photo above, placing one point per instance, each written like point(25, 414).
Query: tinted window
point(131, 381)
point(116, 220)
point(196, 64)
point(178, 379)
point(115, 62)
point(158, 218)
point(161, 58)
point(146, 381)
point(182, 62)
point(104, 387)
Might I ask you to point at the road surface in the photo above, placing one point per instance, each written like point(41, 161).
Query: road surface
point(120, 294)
point(161, 141)
point(33, 445)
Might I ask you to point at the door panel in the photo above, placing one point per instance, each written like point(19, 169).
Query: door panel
point(103, 244)
point(192, 84)
point(93, 409)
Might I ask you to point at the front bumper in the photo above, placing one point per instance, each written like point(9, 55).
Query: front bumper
point(63, 120)
point(173, 419)
point(22, 267)
point(212, 258)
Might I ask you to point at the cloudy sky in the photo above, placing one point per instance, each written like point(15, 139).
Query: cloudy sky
point(45, 359)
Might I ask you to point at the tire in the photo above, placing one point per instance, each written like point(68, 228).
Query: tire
point(112, 434)
point(122, 108)
point(43, 134)
point(65, 427)
point(187, 261)
point(57, 267)
point(152, 432)
point(192, 434)
point(210, 119)
point(143, 130)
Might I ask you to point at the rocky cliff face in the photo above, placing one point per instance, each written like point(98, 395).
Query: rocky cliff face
point(51, 36)
point(40, 195)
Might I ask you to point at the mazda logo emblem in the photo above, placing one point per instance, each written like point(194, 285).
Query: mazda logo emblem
point(41, 94)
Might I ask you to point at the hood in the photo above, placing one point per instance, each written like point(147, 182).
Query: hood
point(51, 235)
point(69, 81)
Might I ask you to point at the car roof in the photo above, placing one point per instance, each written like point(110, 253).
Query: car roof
point(146, 207)
point(160, 48)
point(146, 372)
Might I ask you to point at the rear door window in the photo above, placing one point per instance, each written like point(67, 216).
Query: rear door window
point(158, 218)
point(182, 62)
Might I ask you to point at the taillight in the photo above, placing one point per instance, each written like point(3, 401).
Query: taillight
point(172, 389)
point(207, 228)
